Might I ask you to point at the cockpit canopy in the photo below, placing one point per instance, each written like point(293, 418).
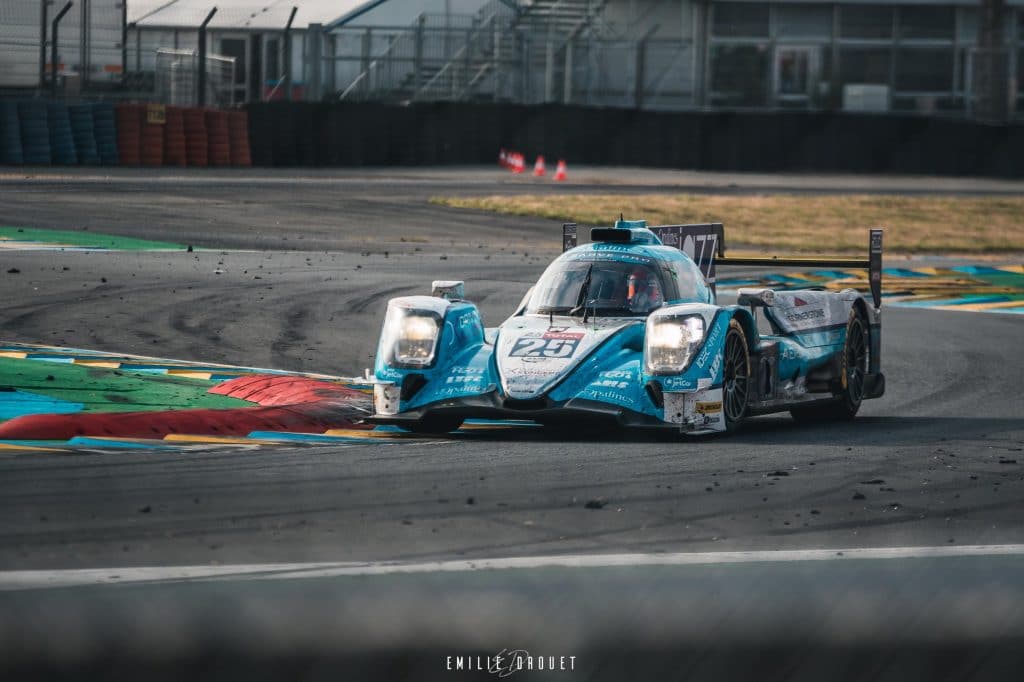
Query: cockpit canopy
point(614, 288)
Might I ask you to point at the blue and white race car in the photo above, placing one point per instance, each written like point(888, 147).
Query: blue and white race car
point(626, 330)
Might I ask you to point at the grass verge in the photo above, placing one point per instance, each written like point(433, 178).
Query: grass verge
point(809, 223)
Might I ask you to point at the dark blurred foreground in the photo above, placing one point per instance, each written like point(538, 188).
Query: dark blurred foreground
point(956, 618)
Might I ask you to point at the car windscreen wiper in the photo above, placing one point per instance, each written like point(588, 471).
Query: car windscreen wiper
point(581, 299)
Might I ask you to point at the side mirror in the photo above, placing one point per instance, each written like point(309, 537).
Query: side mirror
point(450, 290)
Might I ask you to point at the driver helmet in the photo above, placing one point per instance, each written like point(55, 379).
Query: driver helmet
point(642, 290)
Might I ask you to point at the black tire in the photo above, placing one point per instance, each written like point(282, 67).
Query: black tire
point(435, 425)
point(735, 376)
point(853, 371)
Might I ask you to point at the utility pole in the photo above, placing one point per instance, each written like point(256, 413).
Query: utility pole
point(288, 55)
point(53, 48)
point(44, 4)
point(201, 95)
point(83, 45)
point(991, 64)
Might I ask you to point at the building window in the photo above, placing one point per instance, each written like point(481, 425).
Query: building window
point(866, 21)
point(235, 47)
point(739, 75)
point(740, 20)
point(865, 65)
point(803, 22)
point(273, 70)
point(934, 23)
point(924, 70)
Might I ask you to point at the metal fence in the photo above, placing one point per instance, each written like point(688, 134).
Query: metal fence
point(89, 46)
point(491, 60)
point(177, 78)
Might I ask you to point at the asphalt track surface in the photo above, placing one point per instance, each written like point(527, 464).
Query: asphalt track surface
point(299, 270)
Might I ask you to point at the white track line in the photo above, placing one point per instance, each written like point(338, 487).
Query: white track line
point(23, 580)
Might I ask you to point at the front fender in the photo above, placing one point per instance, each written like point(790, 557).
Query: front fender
point(461, 363)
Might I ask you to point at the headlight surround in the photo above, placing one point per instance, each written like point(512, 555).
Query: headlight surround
point(671, 341)
point(410, 336)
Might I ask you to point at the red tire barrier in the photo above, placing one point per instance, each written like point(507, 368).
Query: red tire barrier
point(196, 144)
point(151, 146)
point(129, 133)
point(218, 137)
point(175, 153)
point(238, 127)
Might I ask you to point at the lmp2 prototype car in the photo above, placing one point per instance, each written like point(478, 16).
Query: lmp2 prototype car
point(626, 330)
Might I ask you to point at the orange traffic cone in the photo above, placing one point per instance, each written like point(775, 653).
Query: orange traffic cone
point(519, 163)
point(560, 170)
point(538, 167)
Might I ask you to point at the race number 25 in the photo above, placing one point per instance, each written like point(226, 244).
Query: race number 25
point(544, 348)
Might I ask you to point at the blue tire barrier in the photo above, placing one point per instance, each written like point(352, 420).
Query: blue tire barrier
point(62, 143)
point(33, 117)
point(105, 131)
point(80, 116)
point(10, 135)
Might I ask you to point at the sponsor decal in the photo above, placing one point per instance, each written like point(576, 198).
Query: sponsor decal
point(466, 370)
point(678, 383)
point(610, 383)
point(797, 301)
point(708, 408)
point(806, 315)
point(464, 379)
point(716, 364)
point(607, 395)
point(561, 334)
point(544, 347)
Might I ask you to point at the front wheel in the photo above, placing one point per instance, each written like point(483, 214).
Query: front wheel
point(851, 380)
point(735, 376)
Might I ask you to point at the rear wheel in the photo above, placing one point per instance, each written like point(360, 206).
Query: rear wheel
point(854, 370)
point(435, 425)
point(735, 376)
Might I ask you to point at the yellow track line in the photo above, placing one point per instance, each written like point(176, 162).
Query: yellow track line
point(36, 448)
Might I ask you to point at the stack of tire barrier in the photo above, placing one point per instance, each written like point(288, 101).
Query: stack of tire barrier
point(82, 131)
point(34, 121)
point(151, 141)
point(175, 153)
point(129, 133)
point(238, 126)
point(218, 138)
point(105, 132)
point(196, 143)
point(10, 135)
point(62, 142)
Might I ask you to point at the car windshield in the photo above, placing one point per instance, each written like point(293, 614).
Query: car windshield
point(601, 287)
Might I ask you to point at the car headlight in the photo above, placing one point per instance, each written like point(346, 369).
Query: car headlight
point(671, 341)
point(410, 336)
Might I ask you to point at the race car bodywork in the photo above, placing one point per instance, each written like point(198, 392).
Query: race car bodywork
point(627, 330)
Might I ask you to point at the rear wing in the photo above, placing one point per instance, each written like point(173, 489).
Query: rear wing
point(704, 243)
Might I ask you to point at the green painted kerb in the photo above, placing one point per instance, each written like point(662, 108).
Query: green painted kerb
point(102, 389)
point(83, 239)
